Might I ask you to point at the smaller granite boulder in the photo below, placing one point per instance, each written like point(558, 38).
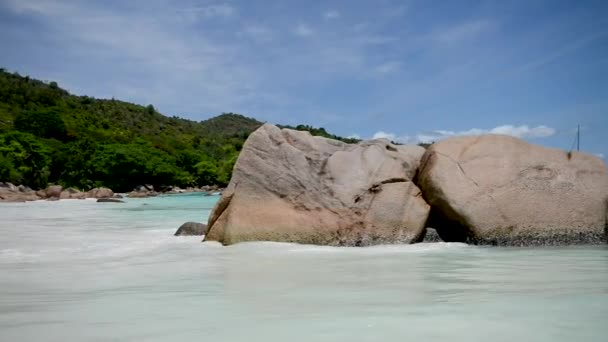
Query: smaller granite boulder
point(136, 194)
point(71, 193)
point(54, 191)
point(109, 200)
point(431, 235)
point(23, 188)
point(9, 196)
point(100, 193)
point(8, 187)
point(192, 228)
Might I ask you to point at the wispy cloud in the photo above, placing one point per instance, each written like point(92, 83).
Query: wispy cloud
point(213, 11)
point(522, 131)
point(257, 32)
point(462, 31)
point(600, 155)
point(331, 14)
point(303, 30)
point(388, 67)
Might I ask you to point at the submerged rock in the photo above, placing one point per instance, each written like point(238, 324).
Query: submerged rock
point(191, 228)
point(110, 200)
point(500, 190)
point(290, 186)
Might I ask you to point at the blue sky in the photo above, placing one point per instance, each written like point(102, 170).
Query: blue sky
point(408, 70)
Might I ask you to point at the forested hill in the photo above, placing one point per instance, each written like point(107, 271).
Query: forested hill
point(50, 136)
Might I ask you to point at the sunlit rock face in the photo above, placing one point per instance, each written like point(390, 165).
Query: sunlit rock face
point(290, 186)
point(496, 189)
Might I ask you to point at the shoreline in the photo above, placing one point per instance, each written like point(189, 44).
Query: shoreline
point(10, 193)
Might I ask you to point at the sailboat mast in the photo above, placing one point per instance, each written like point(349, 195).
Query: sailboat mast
point(578, 138)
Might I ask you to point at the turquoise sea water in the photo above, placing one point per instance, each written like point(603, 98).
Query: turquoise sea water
point(84, 271)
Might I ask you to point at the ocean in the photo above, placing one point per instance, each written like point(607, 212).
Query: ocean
point(77, 270)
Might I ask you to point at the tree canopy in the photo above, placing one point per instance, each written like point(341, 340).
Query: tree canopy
point(48, 135)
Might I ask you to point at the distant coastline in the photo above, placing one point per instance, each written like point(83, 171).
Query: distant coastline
point(12, 193)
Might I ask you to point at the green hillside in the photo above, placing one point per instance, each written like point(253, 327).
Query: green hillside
point(50, 136)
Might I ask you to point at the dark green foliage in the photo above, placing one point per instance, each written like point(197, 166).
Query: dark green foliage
point(23, 158)
point(48, 135)
point(45, 123)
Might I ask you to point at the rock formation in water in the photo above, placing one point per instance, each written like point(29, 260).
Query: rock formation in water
point(191, 228)
point(290, 186)
point(496, 189)
point(12, 193)
point(110, 200)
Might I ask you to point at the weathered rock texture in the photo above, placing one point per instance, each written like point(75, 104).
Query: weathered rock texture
point(191, 228)
point(100, 193)
point(495, 189)
point(290, 186)
point(11, 193)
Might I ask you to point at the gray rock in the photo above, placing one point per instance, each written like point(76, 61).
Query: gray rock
point(110, 200)
point(500, 190)
point(8, 187)
point(23, 188)
point(191, 228)
point(431, 235)
point(290, 186)
point(140, 188)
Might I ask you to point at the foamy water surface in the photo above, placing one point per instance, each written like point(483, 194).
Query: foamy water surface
point(85, 271)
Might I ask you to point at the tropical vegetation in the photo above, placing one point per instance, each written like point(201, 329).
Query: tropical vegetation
point(48, 135)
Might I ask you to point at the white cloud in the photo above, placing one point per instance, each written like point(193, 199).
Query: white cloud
point(160, 58)
point(384, 135)
point(211, 11)
point(331, 14)
point(461, 32)
point(354, 136)
point(257, 32)
point(42, 7)
point(522, 131)
point(600, 155)
point(388, 67)
point(303, 30)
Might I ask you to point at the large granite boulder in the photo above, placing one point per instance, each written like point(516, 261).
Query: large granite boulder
point(100, 193)
point(53, 191)
point(18, 196)
point(71, 193)
point(290, 186)
point(496, 189)
point(6, 187)
point(191, 228)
